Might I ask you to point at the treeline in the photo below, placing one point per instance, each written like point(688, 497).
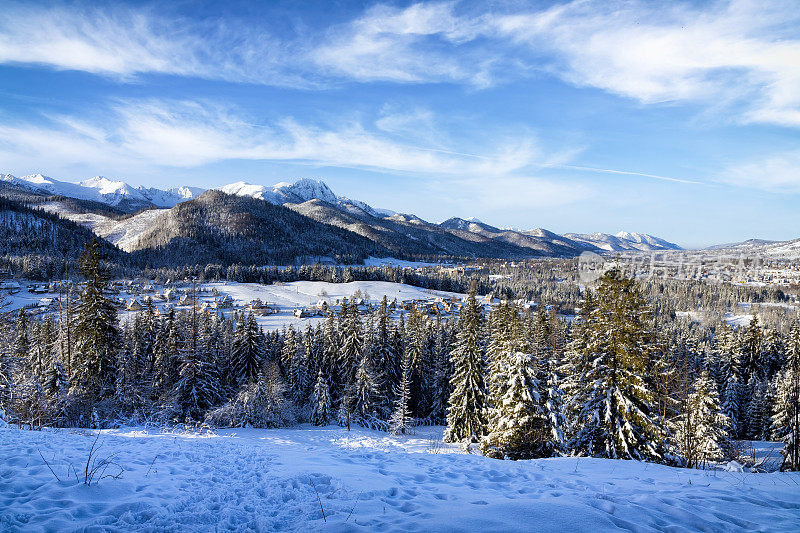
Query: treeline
point(617, 383)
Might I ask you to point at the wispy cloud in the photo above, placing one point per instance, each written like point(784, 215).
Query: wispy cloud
point(778, 173)
point(124, 42)
point(188, 134)
point(420, 43)
point(737, 50)
point(743, 52)
point(629, 173)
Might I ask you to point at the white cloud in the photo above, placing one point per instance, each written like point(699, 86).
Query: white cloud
point(741, 55)
point(778, 173)
point(187, 134)
point(745, 53)
point(124, 42)
point(420, 43)
point(668, 52)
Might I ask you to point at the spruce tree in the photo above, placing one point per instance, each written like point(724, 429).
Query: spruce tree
point(95, 330)
point(702, 428)
point(248, 350)
point(617, 417)
point(402, 420)
point(576, 367)
point(199, 386)
point(167, 357)
point(321, 408)
point(466, 416)
point(520, 428)
point(786, 417)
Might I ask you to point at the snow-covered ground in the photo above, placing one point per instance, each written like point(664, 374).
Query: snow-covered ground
point(400, 263)
point(286, 297)
point(289, 296)
point(266, 480)
point(730, 318)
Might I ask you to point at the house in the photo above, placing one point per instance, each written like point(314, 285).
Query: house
point(47, 303)
point(11, 286)
point(133, 305)
point(225, 302)
point(301, 312)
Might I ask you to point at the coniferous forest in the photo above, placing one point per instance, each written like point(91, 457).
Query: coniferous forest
point(618, 380)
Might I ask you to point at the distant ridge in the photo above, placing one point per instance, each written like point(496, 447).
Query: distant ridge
point(148, 210)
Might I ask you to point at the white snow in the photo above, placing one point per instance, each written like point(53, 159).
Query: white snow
point(290, 296)
point(401, 263)
point(104, 190)
point(125, 233)
point(363, 480)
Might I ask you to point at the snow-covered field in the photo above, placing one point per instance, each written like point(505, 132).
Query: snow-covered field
point(287, 297)
point(296, 294)
point(266, 480)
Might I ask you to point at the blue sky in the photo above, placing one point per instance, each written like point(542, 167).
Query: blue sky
point(676, 119)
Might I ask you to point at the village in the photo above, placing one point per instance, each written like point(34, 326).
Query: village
point(274, 306)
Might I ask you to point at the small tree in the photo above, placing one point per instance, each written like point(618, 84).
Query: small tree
point(402, 420)
point(701, 429)
point(520, 427)
point(786, 418)
point(321, 413)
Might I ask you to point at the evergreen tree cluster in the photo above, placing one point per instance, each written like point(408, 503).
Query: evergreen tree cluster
point(617, 382)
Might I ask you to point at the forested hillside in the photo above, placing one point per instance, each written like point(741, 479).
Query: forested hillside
point(220, 228)
point(41, 245)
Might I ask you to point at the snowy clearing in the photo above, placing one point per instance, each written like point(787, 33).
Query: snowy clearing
point(285, 296)
point(266, 480)
point(289, 296)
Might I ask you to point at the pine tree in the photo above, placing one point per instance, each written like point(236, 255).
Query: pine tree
point(321, 413)
point(466, 417)
point(402, 420)
point(520, 427)
point(701, 429)
point(95, 331)
point(248, 350)
point(617, 417)
point(198, 386)
point(576, 367)
point(786, 412)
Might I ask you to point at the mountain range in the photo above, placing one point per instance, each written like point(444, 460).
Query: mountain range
point(137, 218)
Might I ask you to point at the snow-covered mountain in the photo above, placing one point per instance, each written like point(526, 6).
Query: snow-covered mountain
point(301, 191)
point(623, 241)
point(765, 248)
point(283, 192)
point(314, 199)
point(104, 190)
